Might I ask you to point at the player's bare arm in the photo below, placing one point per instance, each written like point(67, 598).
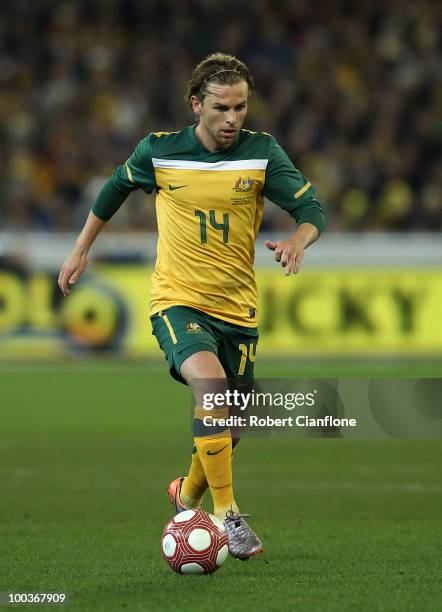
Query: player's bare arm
point(290, 252)
point(76, 263)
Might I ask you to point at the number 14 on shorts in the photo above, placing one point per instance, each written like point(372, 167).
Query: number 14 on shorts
point(246, 351)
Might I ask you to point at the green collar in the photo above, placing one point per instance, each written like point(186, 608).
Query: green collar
point(201, 148)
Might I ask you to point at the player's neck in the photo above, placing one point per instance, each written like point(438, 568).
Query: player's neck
point(207, 140)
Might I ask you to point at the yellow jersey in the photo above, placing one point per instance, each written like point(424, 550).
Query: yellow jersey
point(209, 207)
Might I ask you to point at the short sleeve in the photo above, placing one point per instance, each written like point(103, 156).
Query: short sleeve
point(138, 170)
point(284, 184)
point(288, 188)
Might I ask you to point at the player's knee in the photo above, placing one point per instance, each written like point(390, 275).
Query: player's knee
point(202, 364)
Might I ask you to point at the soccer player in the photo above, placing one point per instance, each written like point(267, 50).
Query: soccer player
point(210, 180)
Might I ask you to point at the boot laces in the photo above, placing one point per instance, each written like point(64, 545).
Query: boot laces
point(234, 522)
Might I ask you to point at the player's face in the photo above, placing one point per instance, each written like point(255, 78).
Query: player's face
point(221, 114)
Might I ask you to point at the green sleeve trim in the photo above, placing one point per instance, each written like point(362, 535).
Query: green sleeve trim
point(138, 171)
point(310, 212)
point(289, 189)
point(111, 196)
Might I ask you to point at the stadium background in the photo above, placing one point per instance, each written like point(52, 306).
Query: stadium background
point(352, 91)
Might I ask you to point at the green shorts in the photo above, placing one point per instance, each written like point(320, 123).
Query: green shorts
point(183, 331)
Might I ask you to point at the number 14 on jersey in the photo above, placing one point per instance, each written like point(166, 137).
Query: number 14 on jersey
point(224, 226)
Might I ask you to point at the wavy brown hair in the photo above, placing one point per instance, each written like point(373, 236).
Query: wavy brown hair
point(217, 68)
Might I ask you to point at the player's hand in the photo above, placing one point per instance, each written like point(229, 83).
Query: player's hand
point(289, 253)
point(71, 270)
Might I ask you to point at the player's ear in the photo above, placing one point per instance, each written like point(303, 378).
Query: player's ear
point(196, 105)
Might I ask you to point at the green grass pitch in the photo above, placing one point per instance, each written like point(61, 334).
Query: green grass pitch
point(87, 451)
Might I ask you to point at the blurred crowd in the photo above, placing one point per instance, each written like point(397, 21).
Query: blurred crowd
point(351, 89)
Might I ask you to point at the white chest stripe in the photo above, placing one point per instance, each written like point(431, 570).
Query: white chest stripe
point(182, 164)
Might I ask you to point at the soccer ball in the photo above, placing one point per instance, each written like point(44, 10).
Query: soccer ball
point(194, 542)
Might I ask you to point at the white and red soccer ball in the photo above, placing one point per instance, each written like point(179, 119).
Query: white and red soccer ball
point(194, 542)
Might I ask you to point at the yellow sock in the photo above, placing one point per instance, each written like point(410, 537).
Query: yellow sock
point(195, 483)
point(215, 453)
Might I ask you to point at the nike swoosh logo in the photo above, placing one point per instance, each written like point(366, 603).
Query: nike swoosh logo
point(216, 452)
point(174, 187)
